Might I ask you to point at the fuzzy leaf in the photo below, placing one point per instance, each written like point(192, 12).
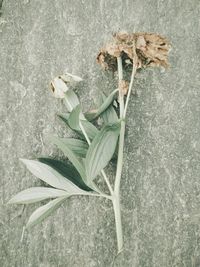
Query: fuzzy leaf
point(107, 102)
point(50, 176)
point(101, 150)
point(44, 211)
point(35, 194)
point(67, 170)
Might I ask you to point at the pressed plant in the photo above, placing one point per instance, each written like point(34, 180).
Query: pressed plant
point(89, 155)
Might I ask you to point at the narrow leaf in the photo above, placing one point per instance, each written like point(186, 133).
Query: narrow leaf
point(74, 119)
point(74, 123)
point(101, 150)
point(50, 176)
point(108, 101)
point(109, 115)
point(44, 211)
point(67, 170)
point(35, 194)
point(70, 154)
point(90, 129)
point(79, 147)
point(71, 100)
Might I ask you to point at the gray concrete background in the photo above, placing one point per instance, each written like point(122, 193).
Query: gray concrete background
point(161, 183)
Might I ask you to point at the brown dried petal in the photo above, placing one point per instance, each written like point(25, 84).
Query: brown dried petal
point(113, 50)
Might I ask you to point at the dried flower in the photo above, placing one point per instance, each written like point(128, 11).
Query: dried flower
point(59, 87)
point(142, 49)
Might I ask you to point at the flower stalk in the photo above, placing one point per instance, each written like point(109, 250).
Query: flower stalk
point(116, 199)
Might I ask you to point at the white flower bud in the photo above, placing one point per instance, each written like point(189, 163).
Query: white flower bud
point(59, 87)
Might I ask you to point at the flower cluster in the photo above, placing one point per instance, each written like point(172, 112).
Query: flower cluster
point(141, 49)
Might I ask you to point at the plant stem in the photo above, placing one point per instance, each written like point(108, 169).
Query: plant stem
point(129, 90)
point(118, 222)
point(96, 195)
point(116, 196)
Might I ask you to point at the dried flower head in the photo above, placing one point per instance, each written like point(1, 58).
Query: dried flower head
point(141, 49)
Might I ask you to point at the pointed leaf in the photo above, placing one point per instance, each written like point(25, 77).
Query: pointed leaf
point(74, 118)
point(101, 150)
point(79, 147)
point(74, 122)
point(35, 194)
point(67, 170)
point(109, 115)
point(90, 129)
point(108, 101)
point(44, 211)
point(70, 154)
point(50, 176)
point(71, 100)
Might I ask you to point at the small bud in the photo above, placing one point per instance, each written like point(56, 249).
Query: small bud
point(70, 78)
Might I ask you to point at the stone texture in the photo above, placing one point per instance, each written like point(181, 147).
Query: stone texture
point(160, 185)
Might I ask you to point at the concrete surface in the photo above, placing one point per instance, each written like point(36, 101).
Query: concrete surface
point(161, 177)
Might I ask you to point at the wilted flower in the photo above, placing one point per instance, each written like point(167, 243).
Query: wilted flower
point(60, 85)
point(141, 49)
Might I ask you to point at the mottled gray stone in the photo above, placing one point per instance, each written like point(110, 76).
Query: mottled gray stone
point(161, 177)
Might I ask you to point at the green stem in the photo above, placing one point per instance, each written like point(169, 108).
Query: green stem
point(129, 90)
point(116, 196)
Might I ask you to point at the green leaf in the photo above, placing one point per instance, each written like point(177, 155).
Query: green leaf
point(50, 176)
point(44, 211)
point(109, 115)
point(107, 102)
point(74, 123)
point(90, 129)
point(67, 170)
point(101, 149)
point(74, 118)
point(71, 100)
point(70, 155)
point(79, 147)
point(64, 117)
point(35, 194)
